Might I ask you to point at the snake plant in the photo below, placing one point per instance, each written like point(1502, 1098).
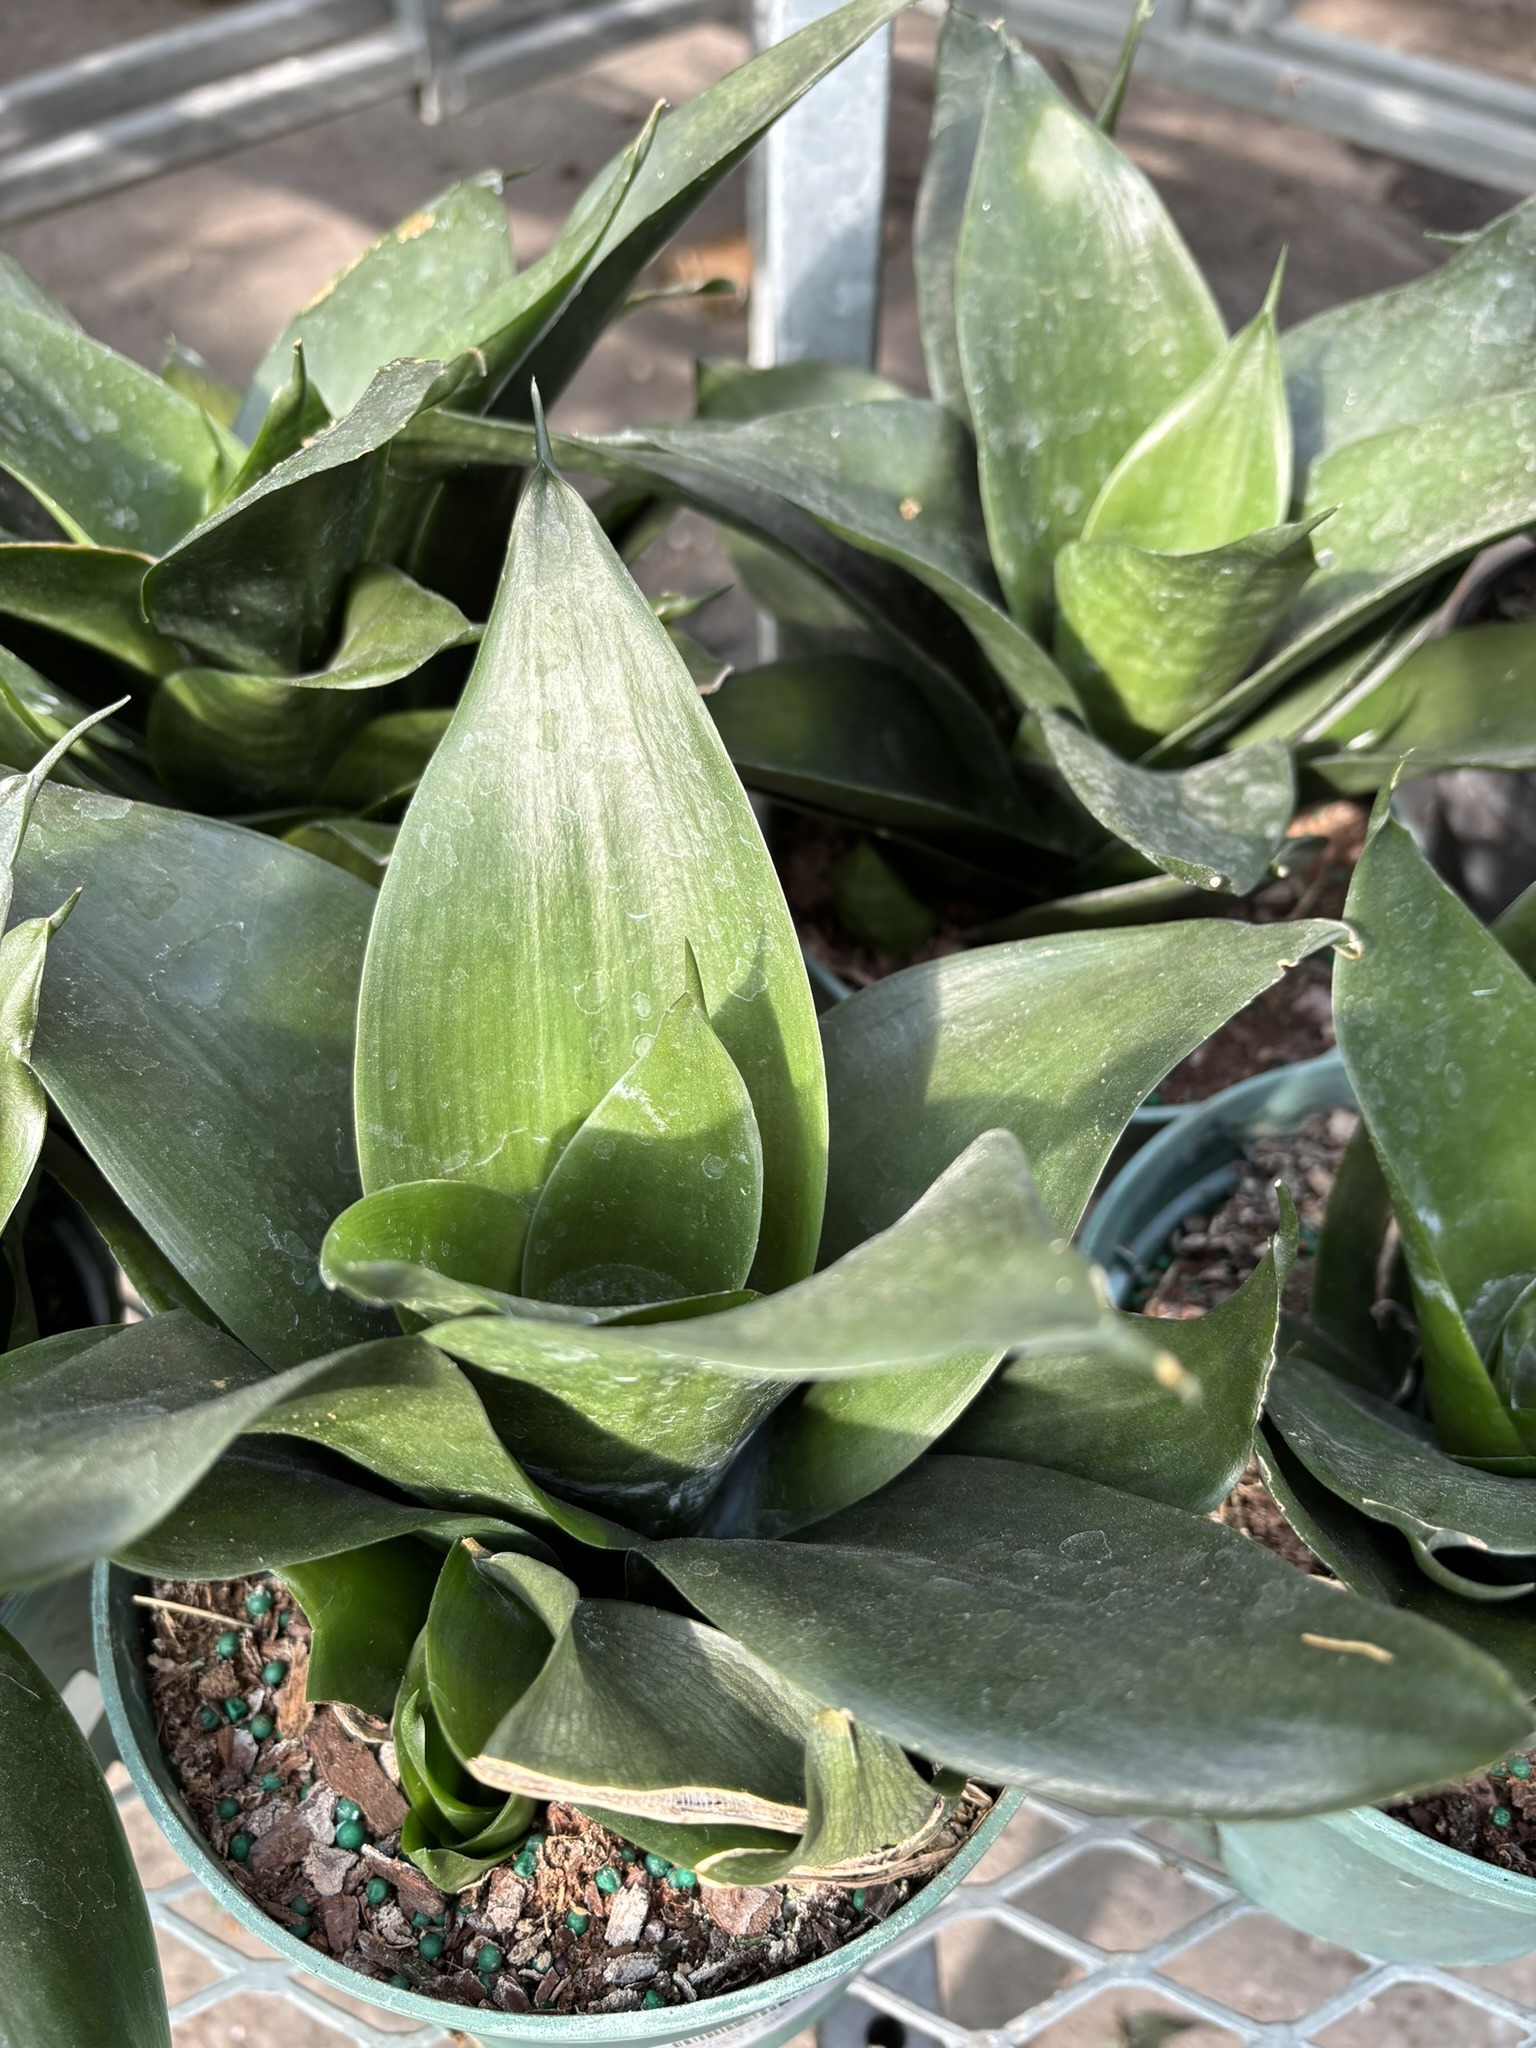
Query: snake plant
point(1400, 1431)
point(1080, 614)
point(654, 1398)
point(292, 620)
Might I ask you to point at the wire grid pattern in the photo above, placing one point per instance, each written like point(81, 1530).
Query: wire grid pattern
point(994, 1901)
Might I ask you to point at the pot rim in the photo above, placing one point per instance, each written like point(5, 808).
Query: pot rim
point(1367, 1826)
point(715, 2014)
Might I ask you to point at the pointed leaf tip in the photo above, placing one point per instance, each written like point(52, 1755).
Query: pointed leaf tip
point(540, 431)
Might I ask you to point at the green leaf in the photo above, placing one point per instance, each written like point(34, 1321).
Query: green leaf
point(667, 853)
point(969, 53)
point(271, 1506)
point(294, 416)
point(1217, 825)
point(1410, 500)
point(836, 1441)
point(695, 148)
point(68, 1888)
point(186, 371)
point(874, 905)
point(1462, 333)
point(196, 1032)
point(1387, 1464)
point(934, 1613)
point(1437, 1026)
point(19, 289)
point(149, 1272)
point(366, 1608)
point(225, 741)
point(23, 1105)
point(1216, 467)
point(259, 586)
point(403, 1410)
point(1345, 1283)
point(642, 1417)
point(601, 1722)
point(1155, 638)
point(384, 760)
point(106, 1430)
point(487, 1640)
point(461, 1232)
point(91, 594)
point(1081, 316)
point(352, 844)
point(35, 717)
point(394, 300)
point(1372, 1558)
point(1057, 1040)
point(1467, 701)
point(728, 390)
point(1515, 930)
point(859, 738)
point(118, 457)
point(659, 1194)
point(1180, 1439)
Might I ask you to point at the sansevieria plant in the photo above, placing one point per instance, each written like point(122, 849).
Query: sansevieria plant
point(652, 1401)
point(1400, 1431)
point(1080, 614)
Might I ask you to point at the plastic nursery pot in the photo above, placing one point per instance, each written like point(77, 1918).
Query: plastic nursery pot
point(762, 2015)
point(1358, 1878)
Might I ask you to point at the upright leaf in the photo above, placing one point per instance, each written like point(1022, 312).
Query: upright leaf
point(578, 710)
point(118, 457)
point(1217, 465)
point(67, 1884)
point(1199, 1673)
point(1217, 825)
point(294, 415)
point(1462, 333)
point(395, 299)
point(366, 1607)
point(1080, 314)
point(660, 1192)
point(23, 1105)
point(969, 52)
point(492, 1623)
point(695, 147)
point(1057, 1040)
point(196, 1031)
point(1437, 1026)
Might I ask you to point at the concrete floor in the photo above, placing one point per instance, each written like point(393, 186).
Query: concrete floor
point(220, 254)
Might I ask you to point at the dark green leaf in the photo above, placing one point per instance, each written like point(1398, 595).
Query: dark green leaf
point(271, 1506)
point(385, 759)
point(196, 1031)
point(602, 1722)
point(294, 415)
point(874, 905)
point(1462, 333)
point(969, 53)
point(1081, 316)
point(1387, 1464)
point(667, 854)
point(1199, 1673)
point(1346, 1283)
point(394, 300)
point(1217, 825)
point(860, 739)
point(1164, 635)
point(1181, 1440)
point(1515, 930)
point(1437, 1026)
point(486, 1641)
point(659, 1194)
point(353, 844)
point(91, 594)
point(695, 147)
point(117, 456)
point(68, 1889)
point(727, 390)
point(1057, 1040)
point(23, 1105)
point(149, 1272)
point(259, 586)
point(366, 1608)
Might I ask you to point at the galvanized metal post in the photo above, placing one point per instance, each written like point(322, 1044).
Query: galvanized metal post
point(817, 199)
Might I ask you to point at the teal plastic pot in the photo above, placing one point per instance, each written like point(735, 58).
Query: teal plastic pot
point(763, 2014)
point(1357, 1878)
